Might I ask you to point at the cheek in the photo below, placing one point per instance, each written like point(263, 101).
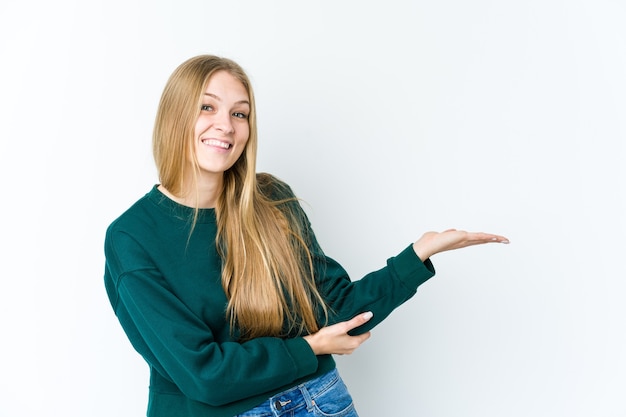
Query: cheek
point(243, 133)
point(242, 144)
point(197, 130)
point(202, 124)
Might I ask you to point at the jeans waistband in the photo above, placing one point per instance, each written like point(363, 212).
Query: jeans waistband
point(303, 395)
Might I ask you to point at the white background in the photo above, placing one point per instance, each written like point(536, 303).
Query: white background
point(389, 118)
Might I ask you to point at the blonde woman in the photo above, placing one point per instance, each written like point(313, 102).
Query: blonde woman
point(216, 276)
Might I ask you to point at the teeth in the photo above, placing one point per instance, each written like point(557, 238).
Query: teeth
point(214, 142)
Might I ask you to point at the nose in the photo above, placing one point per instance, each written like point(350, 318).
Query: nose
point(223, 122)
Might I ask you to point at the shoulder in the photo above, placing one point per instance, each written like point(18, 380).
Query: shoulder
point(274, 188)
point(281, 195)
point(139, 216)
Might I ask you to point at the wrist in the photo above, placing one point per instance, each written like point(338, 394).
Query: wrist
point(421, 251)
point(310, 339)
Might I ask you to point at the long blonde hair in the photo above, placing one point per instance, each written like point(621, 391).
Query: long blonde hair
point(268, 272)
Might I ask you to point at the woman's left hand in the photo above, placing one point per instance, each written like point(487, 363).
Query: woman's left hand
point(435, 242)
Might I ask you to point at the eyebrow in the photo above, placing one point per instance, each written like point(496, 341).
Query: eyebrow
point(219, 99)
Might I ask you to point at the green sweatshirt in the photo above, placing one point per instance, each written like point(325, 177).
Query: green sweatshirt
point(165, 288)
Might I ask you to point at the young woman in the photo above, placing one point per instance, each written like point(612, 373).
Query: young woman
point(216, 276)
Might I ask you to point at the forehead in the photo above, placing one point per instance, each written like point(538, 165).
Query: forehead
point(223, 85)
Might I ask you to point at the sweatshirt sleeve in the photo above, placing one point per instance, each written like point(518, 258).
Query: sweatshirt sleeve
point(181, 346)
point(380, 292)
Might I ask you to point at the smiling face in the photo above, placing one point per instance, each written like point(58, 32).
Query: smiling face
point(222, 128)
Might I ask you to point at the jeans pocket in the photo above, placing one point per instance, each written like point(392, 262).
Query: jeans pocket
point(335, 401)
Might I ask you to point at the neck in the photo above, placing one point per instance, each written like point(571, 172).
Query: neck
point(205, 197)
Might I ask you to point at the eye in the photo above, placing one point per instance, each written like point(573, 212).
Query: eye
point(206, 107)
point(240, 115)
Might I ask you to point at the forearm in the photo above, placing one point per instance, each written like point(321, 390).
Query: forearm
point(380, 291)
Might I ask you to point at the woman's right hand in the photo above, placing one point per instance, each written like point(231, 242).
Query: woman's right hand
point(335, 340)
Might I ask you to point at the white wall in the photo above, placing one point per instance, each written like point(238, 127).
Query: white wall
point(389, 118)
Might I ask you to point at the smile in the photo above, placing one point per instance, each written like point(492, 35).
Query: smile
point(217, 143)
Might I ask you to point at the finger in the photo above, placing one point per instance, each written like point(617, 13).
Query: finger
point(358, 321)
point(496, 238)
point(486, 238)
point(501, 239)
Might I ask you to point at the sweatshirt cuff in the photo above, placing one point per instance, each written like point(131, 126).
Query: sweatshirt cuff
point(305, 361)
point(410, 269)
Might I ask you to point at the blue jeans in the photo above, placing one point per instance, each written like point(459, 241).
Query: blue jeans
point(324, 396)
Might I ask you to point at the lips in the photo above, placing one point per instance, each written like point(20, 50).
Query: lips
point(217, 143)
